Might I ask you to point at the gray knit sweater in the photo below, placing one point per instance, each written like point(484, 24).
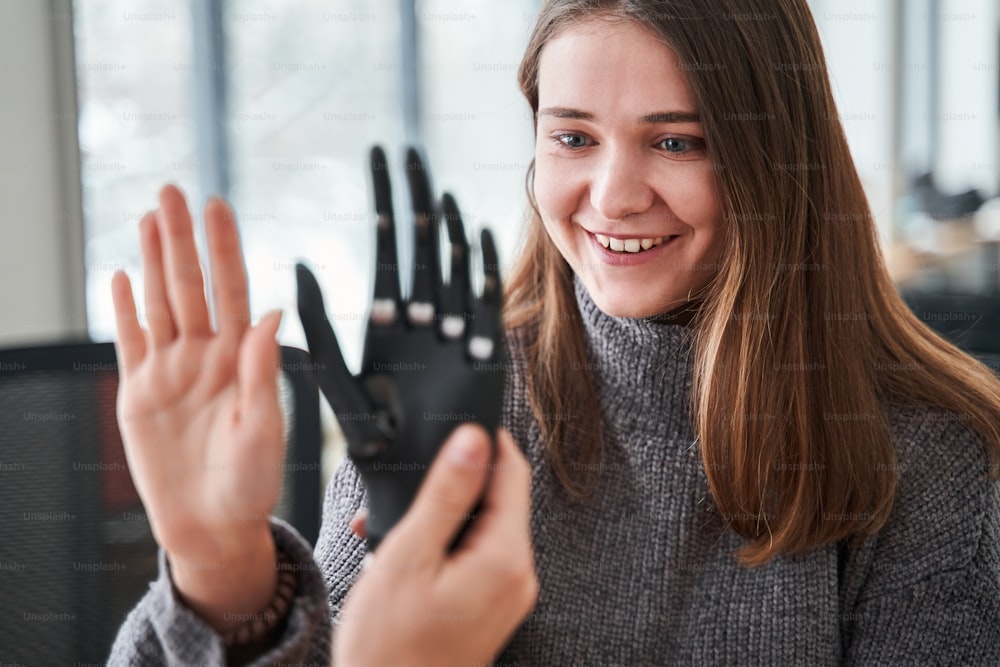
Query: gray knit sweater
point(644, 573)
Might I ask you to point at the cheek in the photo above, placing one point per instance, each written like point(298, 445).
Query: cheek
point(557, 187)
point(542, 186)
point(714, 226)
point(694, 198)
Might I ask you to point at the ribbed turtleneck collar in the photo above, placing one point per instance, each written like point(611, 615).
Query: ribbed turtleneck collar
point(640, 366)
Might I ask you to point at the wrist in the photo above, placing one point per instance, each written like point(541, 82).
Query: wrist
point(230, 588)
point(261, 629)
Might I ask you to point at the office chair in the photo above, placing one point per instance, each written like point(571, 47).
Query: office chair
point(76, 550)
point(970, 321)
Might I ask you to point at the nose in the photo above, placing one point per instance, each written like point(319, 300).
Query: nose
point(618, 186)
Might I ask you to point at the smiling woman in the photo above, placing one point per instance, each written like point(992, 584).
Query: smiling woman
point(822, 413)
point(744, 449)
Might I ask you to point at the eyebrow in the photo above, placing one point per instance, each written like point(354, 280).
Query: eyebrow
point(648, 119)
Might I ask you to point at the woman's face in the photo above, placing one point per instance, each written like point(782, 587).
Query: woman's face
point(622, 179)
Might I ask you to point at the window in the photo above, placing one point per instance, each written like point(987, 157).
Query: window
point(304, 88)
point(137, 130)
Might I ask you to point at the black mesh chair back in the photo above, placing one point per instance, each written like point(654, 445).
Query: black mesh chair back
point(76, 551)
point(972, 322)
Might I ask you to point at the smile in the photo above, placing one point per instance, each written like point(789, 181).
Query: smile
point(630, 245)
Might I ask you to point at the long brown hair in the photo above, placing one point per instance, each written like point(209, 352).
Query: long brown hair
point(802, 342)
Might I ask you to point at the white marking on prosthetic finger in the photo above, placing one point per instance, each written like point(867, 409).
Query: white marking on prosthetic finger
point(481, 347)
point(383, 311)
point(452, 326)
point(420, 312)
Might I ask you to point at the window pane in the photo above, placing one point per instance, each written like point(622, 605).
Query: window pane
point(136, 130)
point(313, 85)
point(477, 124)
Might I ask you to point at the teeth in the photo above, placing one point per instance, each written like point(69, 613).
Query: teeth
point(628, 245)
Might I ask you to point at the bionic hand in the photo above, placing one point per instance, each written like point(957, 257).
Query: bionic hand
point(430, 363)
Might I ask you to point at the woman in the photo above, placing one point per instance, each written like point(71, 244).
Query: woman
point(745, 450)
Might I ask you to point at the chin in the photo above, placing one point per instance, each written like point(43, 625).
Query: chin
point(624, 302)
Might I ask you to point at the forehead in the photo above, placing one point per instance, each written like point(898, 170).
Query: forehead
point(612, 67)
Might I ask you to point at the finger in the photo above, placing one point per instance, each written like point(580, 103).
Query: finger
point(338, 385)
point(185, 285)
point(387, 305)
point(257, 374)
point(229, 275)
point(498, 544)
point(426, 271)
point(487, 333)
point(455, 296)
point(358, 522)
point(446, 498)
point(505, 513)
point(130, 342)
point(158, 316)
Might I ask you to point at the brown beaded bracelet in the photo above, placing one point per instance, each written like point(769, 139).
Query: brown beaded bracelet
point(263, 623)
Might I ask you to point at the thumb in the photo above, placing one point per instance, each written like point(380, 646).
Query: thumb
point(446, 498)
point(257, 372)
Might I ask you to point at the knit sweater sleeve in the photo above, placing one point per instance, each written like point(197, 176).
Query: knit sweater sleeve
point(929, 588)
point(339, 551)
point(161, 630)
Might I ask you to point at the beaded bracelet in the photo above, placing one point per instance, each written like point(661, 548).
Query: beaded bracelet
point(263, 623)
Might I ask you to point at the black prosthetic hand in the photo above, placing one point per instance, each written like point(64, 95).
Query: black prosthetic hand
point(430, 363)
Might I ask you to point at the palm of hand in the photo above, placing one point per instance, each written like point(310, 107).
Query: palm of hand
point(197, 408)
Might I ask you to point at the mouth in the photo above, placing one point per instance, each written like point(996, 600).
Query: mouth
point(632, 246)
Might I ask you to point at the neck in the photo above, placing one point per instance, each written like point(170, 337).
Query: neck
point(639, 361)
point(682, 315)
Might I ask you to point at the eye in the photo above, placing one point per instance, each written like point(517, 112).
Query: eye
point(572, 140)
point(676, 145)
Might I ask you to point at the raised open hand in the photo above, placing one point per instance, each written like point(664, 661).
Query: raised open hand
point(430, 363)
point(199, 413)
